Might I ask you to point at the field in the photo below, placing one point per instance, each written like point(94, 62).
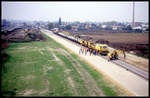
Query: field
point(46, 68)
point(125, 38)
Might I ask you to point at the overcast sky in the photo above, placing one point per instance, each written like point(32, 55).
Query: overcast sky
point(76, 11)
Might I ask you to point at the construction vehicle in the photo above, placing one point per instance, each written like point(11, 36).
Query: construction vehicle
point(85, 43)
point(91, 45)
point(81, 42)
point(102, 49)
point(55, 30)
point(115, 54)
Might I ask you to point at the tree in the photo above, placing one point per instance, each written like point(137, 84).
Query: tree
point(25, 24)
point(108, 28)
point(68, 27)
point(129, 27)
point(5, 22)
point(50, 26)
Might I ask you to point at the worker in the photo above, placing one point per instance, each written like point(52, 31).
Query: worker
point(94, 52)
point(124, 54)
point(115, 55)
point(110, 56)
point(91, 51)
point(86, 50)
point(97, 52)
point(81, 50)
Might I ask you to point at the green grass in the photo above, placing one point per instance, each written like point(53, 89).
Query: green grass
point(28, 69)
point(74, 74)
point(99, 78)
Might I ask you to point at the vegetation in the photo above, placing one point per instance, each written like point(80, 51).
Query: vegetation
point(50, 25)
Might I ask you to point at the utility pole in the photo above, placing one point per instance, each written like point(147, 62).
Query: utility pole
point(133, 15)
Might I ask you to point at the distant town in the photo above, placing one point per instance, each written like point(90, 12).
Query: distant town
point(113, 26)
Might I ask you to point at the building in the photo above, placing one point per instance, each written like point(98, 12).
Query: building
point(74, 28)
point(59, 21)
point(114, 27)
point(104, 26)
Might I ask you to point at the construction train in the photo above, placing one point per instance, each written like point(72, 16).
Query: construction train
point(101, 49)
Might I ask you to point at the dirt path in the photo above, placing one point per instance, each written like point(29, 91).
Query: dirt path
point(126, 79)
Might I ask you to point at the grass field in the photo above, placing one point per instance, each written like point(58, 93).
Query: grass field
point(46, 68)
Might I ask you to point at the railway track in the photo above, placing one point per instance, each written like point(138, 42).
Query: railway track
point(121, 63)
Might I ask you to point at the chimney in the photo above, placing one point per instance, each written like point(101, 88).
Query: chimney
point(133, 15)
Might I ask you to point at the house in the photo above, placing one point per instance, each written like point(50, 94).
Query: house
point(104, 26)
point(114, 27)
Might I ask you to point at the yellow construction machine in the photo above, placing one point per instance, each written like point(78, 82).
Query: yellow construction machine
point(84, 43)
point(91, 45)
point(102, 48)
point(81, 42)
point(115, 54)
point(55, 30)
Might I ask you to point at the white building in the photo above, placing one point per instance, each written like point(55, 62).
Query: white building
point(104, 26)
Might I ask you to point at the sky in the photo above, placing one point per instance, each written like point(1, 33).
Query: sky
point(76, 11)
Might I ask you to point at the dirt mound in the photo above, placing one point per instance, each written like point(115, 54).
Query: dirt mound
point(36, 37)
point(22, 35)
